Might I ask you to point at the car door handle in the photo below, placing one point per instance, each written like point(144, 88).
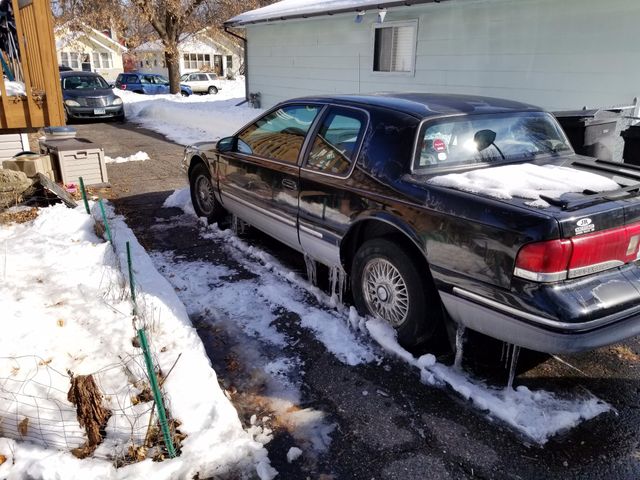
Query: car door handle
point(289, 184)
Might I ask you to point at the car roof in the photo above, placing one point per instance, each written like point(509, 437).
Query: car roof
point(79, 73)
point(423, 105)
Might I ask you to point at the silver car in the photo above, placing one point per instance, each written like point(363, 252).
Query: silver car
point(202, 82)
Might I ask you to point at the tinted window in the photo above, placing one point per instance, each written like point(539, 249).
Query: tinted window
point(336, 143)
point(280, 134)
point(83, 82)
point(201, 77)
point(488, 138)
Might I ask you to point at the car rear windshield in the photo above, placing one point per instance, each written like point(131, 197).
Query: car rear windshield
point(492, 138)
point(83, 82)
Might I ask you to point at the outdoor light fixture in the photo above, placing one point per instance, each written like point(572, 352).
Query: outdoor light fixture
point(359, 16)
point(381, 14)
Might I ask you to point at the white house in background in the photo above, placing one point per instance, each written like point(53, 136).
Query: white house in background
point(89, 50)
point(198, 52)
point(556, 54)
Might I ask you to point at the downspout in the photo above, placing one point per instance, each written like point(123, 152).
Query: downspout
point(246, 63)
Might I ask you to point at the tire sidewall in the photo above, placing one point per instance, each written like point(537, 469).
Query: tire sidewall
point(213, 90)
point(198, 172)
point(416, 325)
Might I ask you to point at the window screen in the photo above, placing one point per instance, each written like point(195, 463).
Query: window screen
point(394, 48)
point(336, 143)
point(280, 134)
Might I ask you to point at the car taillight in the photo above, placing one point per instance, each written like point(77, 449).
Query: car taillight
point(123, 86)
point(554, 260)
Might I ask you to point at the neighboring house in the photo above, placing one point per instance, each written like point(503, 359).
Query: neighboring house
point(89, 50)
point(198, 52)
point(559, 55)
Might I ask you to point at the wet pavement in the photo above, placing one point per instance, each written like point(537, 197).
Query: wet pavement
point(401, 428)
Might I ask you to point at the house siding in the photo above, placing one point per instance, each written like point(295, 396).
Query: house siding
point(559, 55)
point(12, 143)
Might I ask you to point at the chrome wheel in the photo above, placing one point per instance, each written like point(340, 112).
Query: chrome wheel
point(204, 195)
point(385, 291)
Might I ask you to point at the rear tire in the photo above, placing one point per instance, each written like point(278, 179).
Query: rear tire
point(202, 194)
point(386, 285)
point(212, 90)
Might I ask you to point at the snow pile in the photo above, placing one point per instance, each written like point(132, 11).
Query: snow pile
point(180, 199)
point(287, 8)
point(65, 296)
point(187, 120)
point(136, 157)
point(526, 181)
point(537, 414)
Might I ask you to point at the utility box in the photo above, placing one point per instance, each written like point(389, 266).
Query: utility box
point(32, 164)
point(75, 158)
point(591, 132)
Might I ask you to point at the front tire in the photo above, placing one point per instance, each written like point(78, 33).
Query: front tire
point(386, 285)
point(202, 194)
point(212, 90)
point(183, 93)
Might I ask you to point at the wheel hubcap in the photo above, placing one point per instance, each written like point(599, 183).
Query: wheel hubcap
point(204, 193)
point(385, 291)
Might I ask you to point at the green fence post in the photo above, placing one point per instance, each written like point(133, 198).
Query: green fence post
point(131, 280)
point(157, 395)
point(84, 195)
point(106, 222)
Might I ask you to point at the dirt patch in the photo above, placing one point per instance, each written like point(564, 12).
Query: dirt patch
point(18, 216)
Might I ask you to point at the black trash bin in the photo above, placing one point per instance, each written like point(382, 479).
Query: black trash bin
point(631, 152)
point(591, 132)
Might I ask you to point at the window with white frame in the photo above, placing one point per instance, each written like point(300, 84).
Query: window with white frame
point(70, 59)
point(394, 47)
point(101, 60)
point(195, 61)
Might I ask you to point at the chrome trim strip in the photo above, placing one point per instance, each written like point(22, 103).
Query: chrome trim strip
point(259, 209)
point(310, 231)
point(540, 277)
point(597, 267)
point(536, 318)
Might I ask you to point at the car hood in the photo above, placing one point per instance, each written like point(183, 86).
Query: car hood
point(102, 92)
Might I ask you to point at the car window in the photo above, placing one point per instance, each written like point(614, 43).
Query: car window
point(488, 138)
point(212, 76)
point(201, 78)
point(336, 143)
point(146, 79)
point(184, 77)
point(280, 134)
point(160, 80)
point(129, 79)
point(83, 82)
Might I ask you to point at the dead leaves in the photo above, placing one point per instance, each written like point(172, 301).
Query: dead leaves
point(23, 426)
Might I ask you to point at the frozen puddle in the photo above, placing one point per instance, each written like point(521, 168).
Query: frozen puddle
point(537, 414)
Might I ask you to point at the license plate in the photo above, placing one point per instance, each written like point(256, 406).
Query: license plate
point(99, 111)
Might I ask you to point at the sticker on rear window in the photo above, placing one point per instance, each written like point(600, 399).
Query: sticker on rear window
point(584, 225)
point(439, 145)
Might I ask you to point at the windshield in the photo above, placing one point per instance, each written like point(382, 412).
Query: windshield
point(84, 82)
point(488, 138)
point(160, 80)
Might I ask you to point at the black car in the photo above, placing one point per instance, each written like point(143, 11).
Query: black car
point(441, 208)
point(88, 95)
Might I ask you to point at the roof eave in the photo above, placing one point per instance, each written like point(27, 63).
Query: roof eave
point(336, 11)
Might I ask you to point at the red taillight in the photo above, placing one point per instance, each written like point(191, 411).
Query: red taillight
point(554, 260)
point(123, 86)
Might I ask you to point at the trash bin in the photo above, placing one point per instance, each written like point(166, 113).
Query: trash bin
point(591, 132)
point(631, 152)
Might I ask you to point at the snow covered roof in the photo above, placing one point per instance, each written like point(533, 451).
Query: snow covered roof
point(290, 9)
point(66, 34)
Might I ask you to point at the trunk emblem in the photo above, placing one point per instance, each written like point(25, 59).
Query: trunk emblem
point(583, 222)
point(584, 225)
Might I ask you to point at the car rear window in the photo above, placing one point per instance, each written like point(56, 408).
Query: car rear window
point(490, 138)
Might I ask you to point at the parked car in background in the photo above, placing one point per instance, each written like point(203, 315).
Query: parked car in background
point(148, 84)
point(202, 82)
point(441, 208)
point(88, 95)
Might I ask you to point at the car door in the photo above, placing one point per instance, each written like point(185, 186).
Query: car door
point(259, 181)
point(326, 203)
point(201, 83)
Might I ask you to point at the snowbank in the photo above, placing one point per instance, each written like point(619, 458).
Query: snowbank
point(187, 120)
point(526, 181)
point(136, 157)
point(64, 292)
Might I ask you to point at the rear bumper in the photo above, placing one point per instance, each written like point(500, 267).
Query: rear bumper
point(534, 332)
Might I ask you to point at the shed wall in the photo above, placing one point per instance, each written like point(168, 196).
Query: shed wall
point(559, 55)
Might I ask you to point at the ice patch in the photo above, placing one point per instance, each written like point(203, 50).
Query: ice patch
point(537, 414)
point(526, 181)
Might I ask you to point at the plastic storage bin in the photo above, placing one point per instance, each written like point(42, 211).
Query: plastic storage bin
point(591, 132)
point(75, 158)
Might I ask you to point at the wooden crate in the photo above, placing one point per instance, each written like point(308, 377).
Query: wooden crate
point(75, 158)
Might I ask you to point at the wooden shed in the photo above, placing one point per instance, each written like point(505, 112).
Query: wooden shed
point(29, 61)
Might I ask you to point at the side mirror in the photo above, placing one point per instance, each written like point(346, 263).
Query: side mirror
point(484, 139)
point(227, 144)
point(111, 85)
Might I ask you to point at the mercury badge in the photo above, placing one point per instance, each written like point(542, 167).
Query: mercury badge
point(584, 225)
